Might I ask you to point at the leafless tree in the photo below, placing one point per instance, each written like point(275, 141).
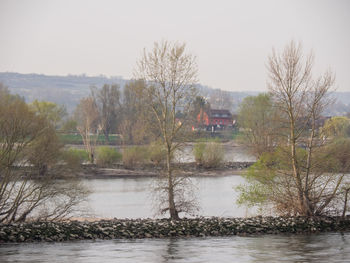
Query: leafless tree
point(184, 195)
point(305, 174)
point(88, 124)
point(301, 101)
point(170, 75)
point(137, 126)
point(221, 99)
point(107, 100)
point(25, 186)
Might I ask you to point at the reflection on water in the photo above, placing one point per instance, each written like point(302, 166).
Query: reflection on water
point(326, 247)
point(132, 198)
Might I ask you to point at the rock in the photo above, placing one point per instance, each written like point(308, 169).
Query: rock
point(161, 228)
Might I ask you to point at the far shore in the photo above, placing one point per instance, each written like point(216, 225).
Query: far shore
point(142, 171)
point(190, 169)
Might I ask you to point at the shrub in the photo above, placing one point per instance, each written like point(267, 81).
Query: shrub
point(107, 155)
point(134, 155)
point(156, 153)
point(198, 151)
point(74, 157)
point(210, 154)
point(213, 155)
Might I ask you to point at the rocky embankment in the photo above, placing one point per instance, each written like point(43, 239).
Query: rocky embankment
point(163, 228)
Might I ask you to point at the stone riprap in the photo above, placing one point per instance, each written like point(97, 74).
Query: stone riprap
point(162, 228)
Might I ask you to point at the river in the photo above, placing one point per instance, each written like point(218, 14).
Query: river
point(131, 198)
point(325, 247)
point(233, 153)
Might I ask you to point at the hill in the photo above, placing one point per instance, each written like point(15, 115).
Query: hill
point(65, 90)
point(68, 90)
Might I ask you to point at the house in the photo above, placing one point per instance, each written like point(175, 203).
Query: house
point(217, 119)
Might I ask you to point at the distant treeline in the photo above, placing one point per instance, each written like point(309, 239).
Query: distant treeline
point(68, 90)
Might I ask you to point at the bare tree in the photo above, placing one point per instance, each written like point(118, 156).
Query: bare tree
point(184, 195)
point(107, 100)
point(305, 174)
point(221, 99)
point(27, 144)
point(301, 100)
point(170, 75)
point(137, 124)
point(88, 124)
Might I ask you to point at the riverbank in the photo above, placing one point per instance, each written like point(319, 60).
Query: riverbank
point(185, 169)
point(163, 228)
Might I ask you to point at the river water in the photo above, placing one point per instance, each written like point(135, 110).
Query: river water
point(325, 247)
point(131, 198)
point(232, 153)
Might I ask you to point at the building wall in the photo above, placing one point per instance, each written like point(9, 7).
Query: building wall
point(220, 121)
point(206, 120)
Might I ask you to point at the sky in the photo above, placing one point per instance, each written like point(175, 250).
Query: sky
point(231, 39)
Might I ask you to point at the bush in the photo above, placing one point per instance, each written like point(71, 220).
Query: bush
point(107, 155)
point(198, 151)
point(213, 155)
point(157, 153)
point(74, 157)
point(134, 155)
point(210, 154)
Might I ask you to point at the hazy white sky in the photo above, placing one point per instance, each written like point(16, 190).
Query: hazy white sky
point(231, 39)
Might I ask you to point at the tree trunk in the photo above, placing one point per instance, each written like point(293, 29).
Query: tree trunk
point(42, 170)
point(106, 134)
point(172, 208)
point(91, 156)
point(310, 209)
point(345, 201)
point(296, 173)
